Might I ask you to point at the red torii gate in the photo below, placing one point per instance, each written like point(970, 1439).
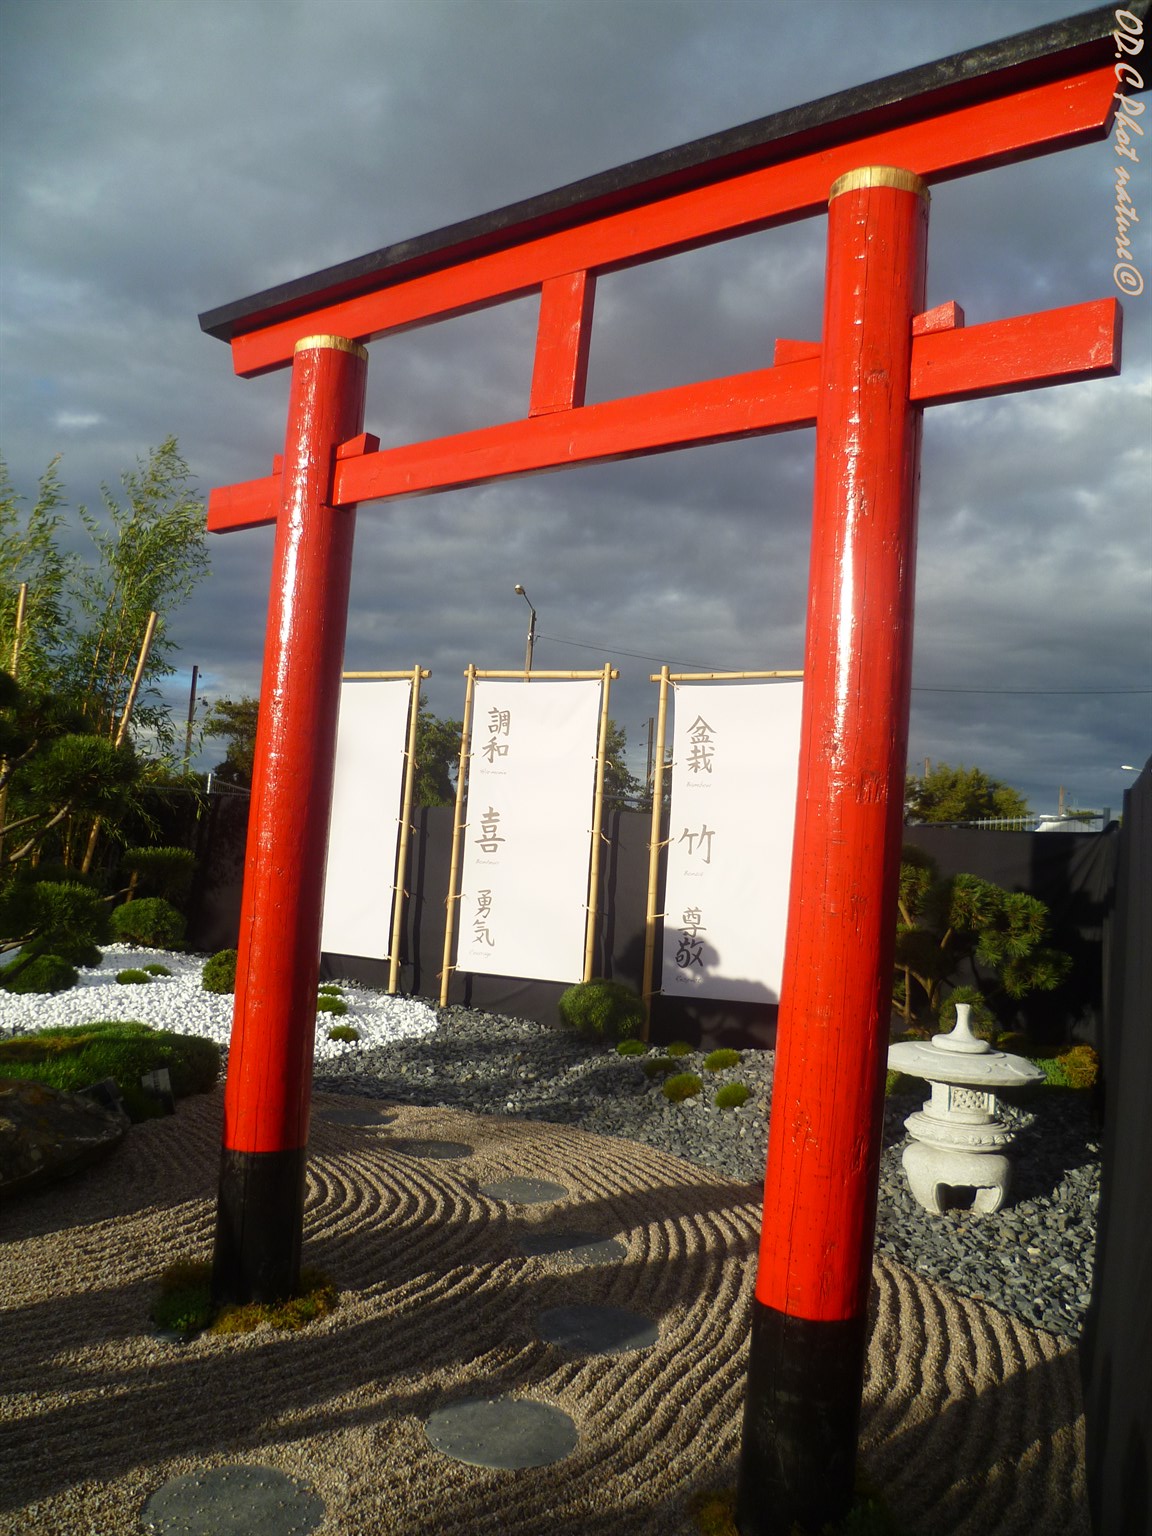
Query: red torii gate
point(869, 156)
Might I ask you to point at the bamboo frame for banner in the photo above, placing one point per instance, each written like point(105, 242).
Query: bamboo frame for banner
point(399, 892)
point(655, 842)
point(592, 909)
point(597, 823)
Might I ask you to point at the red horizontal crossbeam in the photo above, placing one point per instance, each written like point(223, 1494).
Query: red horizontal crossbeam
point(1000, 357)
point(1051, 116)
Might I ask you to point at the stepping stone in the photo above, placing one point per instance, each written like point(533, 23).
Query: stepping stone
point(443, 1150)
point(597, 1330)
point(353, 1114)
point(233, 1501)
point(503, 1432)
point(574, 1247)
point(524, 1191)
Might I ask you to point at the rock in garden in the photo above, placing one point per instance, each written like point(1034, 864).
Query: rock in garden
point(46, 1134)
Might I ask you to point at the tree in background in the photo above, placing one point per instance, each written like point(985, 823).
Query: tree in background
point(70, 761)
point(946, 794)
point(963, 939)
point(621, 788)
point(234, 720)
point(437, 758)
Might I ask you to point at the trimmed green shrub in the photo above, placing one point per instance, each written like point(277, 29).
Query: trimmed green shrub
point(720, 1060)
point(347, 1032)
point(679, 1048)
point(326, 1004)
point(631, 1048)
point(684, 1085)
point(1077, 1067)
point(330, 989)
point(157, 969)
point(219, 974)
point(75, 1055)
point(165, 872)
point(133, 978)
point(40, 973)
point(602, 1010)
point(732, 1095)
point(151, 922)
point(659, 1066)
point(55, 917)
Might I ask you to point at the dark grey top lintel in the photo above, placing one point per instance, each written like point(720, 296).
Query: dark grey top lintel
point(1058, 49)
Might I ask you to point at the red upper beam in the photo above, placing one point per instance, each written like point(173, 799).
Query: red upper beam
point(1011, 127)
point(1025, 352)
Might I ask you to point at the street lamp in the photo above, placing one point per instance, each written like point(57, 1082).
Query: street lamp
point(531, 628)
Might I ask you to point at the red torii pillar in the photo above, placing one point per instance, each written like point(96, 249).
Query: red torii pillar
point(808, 1346)
point(260, 1208)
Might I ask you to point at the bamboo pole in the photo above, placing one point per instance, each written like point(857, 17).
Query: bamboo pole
point(447, 967)
point(399, 890)
point(597, 824)
point(647, 980)
point(17, 633)
point(122, 732)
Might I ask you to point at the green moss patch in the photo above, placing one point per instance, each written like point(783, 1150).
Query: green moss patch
point(184, 1303)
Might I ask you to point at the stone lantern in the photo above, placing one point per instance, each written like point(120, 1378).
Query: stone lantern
point(958, 1142)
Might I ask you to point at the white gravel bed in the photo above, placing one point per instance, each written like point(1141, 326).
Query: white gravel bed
point(178, 1002)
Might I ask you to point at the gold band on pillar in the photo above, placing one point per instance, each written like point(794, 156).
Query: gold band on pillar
point(879, 176)
point(333, 344)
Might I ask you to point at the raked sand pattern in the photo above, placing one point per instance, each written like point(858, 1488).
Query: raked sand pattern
point(972, 1422)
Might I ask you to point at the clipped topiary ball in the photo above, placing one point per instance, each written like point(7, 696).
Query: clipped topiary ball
point(133, 978)
point(330, 989)
point(151, 922)
point(219, 974)
point(720, 1060)
point(684, 1085)
point(157, 970)
point(42, 973)
point(347, 1032)
point(631, 1048)
point(732, 1095)
point(327, 1004)
point(679, 1048)
point(602, 1010)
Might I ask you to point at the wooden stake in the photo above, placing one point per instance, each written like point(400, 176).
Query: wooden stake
point(446, 967)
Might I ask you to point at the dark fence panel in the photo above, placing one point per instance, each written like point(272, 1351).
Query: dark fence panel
point(1116, 1350)
point(1073, 874)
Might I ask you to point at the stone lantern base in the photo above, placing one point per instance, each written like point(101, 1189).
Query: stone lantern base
point(932, 1170)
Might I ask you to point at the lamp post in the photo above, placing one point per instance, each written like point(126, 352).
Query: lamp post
point(531, 628)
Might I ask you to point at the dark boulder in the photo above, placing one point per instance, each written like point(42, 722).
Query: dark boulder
point(46, 1134)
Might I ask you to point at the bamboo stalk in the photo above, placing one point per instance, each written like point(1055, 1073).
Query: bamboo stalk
point(457, 829)
point(17, 633)
point(129, 703)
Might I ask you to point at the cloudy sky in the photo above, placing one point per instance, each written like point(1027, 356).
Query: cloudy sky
point(161, 159)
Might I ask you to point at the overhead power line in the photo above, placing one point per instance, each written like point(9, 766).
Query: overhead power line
point(704, 666)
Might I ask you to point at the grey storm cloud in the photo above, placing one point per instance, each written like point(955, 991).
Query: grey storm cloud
point(160, 159)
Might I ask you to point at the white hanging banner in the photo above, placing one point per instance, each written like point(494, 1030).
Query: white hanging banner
point(367, 795)
point(735, 758)
point(527, 839)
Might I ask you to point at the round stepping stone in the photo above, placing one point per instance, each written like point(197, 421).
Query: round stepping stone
point(524, 1191)
point(597, 1330)
point(573, 1247)
point(503, 1432)
point(233, 1501)
point(444, 1150)
point(354, 1114)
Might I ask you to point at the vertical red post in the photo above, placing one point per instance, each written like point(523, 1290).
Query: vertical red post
point(806, 1361)
point(260, 1211)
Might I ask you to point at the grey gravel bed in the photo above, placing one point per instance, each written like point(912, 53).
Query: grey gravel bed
point(1032, 1259)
